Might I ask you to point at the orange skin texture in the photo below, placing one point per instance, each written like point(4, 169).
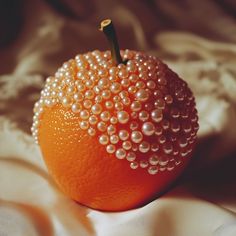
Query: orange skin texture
point(88, 174)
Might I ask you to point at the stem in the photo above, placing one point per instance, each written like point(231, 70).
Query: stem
point(108, 29)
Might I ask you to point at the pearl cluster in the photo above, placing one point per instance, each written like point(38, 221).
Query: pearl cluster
point(142, 111)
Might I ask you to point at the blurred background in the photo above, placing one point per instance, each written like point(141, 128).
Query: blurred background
point(75, 23)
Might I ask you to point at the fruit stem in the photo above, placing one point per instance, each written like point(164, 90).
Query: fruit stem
point(108, 29)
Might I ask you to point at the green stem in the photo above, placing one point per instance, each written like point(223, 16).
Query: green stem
point(108, 29)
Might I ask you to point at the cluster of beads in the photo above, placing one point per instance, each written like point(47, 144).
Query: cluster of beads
point(142, 112)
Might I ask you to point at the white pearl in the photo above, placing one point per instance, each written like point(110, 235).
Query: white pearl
point(142, 95)
point(76, 108)
point(131, 156)
point(123, 117)
point(101, 126)
point(144, 147)
point(114, 139)
point(153, 170)
point(136, 136)
point(153, 160)
point(110, 148)
point(127, 145)
point(105, 116)
point(156, 115)
point(123, 134)
point(103, 139)
point(120, 153)
point(96, 109)
point(143, 164)
point(143, 115)
point(148, 128)
point(134, 165)
point(91, 131)
point(84, 125)
point(93, 119)
point(111, 129)
point(84, 114)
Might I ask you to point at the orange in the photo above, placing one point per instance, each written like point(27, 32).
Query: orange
point(139, 142)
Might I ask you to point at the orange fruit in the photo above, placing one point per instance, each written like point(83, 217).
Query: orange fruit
point(115, 136)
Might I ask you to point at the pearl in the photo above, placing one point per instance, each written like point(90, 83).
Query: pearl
point(144, 147)
point(154, 147)
point(131, 156)
point(140, 85)
point(125, 83)
point(168, 99)
point(153, 160)
point(103, 83)
point(133, 78)
point(136, 136)
point(160, 103)
point(115, 87)
point(123, 134)
point(120, 153)
point(111, 129)
point(101, 126)
point(142, 95)
point(158, 131)
point(119, 106)
point(84, 125)
point(66, 101)
point(143, 115)
point(123, 117)
point(106, 94)
point(165, 124)
point(76, 108)
point(153, 170)
point(134, 165)
point(148, 128)
point(162, 81)
point(136, 106)
point(110, 148)
point(175, 127)
point(174, 112)
point(132, 89)
point(162, 139)
point(163, 160)
point(78, 97)
point(171, 166)
point(103, 139)
point(126, 101)
point(114, 139)
point(96, 109)
point(87, 104)
point(122, 74)
point(91, 131)
point(157, 115)
point(108, 104)
point(89, 94)
point(183, 142)
point(143, 164)
point(133, 125)
point(98, 99)
point(113, 120)
point(127, 145)
point(93, 119)
point(135, 147)
point(151, 84)
point(168, 148)
point(105, 116)
point(84, 114)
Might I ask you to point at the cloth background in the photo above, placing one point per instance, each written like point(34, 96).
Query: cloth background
point(196, 38)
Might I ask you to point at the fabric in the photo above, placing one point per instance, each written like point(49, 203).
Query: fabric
point(204, 200)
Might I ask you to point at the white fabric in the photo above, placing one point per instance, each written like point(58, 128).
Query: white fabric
point(203, 202)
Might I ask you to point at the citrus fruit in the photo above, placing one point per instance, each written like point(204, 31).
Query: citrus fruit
point(115, 128)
